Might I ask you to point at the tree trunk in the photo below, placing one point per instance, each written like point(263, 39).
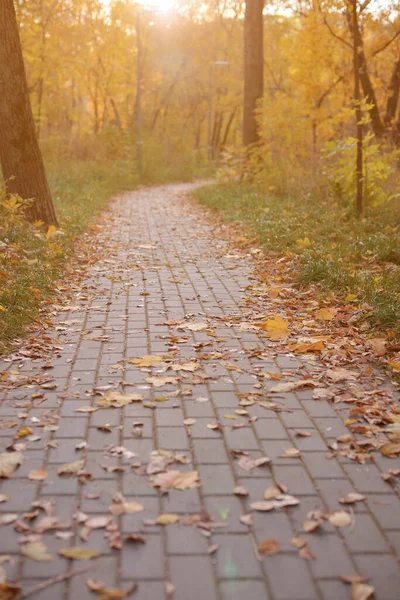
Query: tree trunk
point(393, 98)
point(20, 156)
point(253, 68)
point(369, 92)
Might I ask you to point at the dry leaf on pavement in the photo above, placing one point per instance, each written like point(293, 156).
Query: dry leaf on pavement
point(269, 547)
point(78, 553)
point(9, 461)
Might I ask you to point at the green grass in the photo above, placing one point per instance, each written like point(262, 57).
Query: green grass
point(336, 251)
point(30, 265)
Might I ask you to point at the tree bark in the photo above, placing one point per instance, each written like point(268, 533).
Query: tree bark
point(376, 122)
point(20, 156)
point(253, 68)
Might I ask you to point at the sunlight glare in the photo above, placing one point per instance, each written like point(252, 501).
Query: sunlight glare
point(162, 5)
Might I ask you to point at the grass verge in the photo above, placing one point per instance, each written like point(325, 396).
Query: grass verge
point(357, 259)
point(30, 264)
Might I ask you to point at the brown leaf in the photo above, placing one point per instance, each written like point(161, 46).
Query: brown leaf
point(240, 491)
point(38, 475)
point(9, 591)
point(390, 449)
point(71, 468)
point(177, 480)
point(135, 538)
point(269, 547)
point(94, 586)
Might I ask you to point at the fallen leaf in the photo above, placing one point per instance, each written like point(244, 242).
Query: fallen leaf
point(277, 328)
point(9, 591)
point(326, 314)
point(135, 538)
point(7, 518)
point(9, 461)
point(271, 492)
point(189, 366)
point(262, 506)
point(38, 475)
point(51, 232)
point(195, 326)
point(212, 549)
point(352, 498)
point(189, 422)
point(122, 508)
point(240, 491)
point(161, 381)
point(148, 360)
point(269, 547)
point(303, 347)
point(361, 591)
point(95, 586)
point(340, 518)
point(71, 468)
point(117, 400)
point(291, 453)
point(4, 498)
point(167, 519)
point(354, 578)
point(36, 551)
point(246, 520)
point(390, 449)
point(78, 553)
point(177, 480)
point(338, 375)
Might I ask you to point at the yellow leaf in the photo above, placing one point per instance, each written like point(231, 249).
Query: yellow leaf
point(167, 519)
point(78, 553)
point(303, 347)
point(351, 297)
point(24, 431)
point(326, 314)
point(395, 364)
point(2, 308)
point(304, 243)
point(51, 232)
point(277, 328)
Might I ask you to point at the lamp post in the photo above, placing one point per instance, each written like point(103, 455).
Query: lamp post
point(224, 63)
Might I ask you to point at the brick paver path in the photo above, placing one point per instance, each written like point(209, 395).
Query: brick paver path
point(162, 270)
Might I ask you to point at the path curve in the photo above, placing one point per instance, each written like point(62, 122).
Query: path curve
point(167, 286)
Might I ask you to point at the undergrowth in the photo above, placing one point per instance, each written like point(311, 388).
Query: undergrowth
point(357, 259)
point(30, 264)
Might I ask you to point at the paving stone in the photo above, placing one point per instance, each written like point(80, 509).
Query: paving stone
point(144, 561)
point(235, 557)
point(251, 589)
point(384, 574)
point(210, 451)
point(216, 479)
point(193, 578)
point(184, 539)
point(286, 587)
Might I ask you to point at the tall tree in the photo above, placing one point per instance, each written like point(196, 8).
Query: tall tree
point(20, 156)
point(253, 68)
